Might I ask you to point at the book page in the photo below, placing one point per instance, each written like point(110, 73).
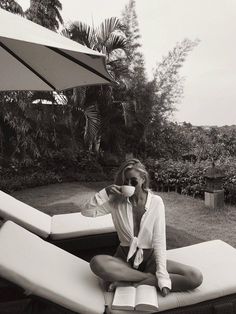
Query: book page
point(124, 298)
point(146, 298)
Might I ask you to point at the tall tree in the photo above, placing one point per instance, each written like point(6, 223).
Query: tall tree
point(169, 83)
point(11, 6)
point(45, 13)
point(130, 26)
point(139, 92)
point(168, 91)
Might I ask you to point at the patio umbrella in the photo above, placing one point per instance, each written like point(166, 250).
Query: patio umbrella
point(35, 58)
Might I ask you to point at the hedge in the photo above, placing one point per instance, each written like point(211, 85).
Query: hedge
point(188, 178)
point(166, 175)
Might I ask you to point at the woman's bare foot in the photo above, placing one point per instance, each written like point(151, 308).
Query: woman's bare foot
point(112, 285)
point(106, 285)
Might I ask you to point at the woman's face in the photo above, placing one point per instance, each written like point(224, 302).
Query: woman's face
point(134, 178)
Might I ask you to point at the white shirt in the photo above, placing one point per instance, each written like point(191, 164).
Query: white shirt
point(152, 233)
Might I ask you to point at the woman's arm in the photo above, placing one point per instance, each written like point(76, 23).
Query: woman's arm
point(159, 245)
point(100, 204)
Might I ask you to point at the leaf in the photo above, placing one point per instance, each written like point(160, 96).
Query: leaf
point(82, 33)
point(115, 42)
point(107, 28)
point(93, 123)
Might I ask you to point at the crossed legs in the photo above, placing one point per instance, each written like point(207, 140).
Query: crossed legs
point(183, 277)
point(113, 269)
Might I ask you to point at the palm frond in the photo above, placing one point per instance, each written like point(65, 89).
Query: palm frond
point(107, 28)
point(93, 122)
point(57, 13)
point(115, 42)
point(82, 33)
point(65, 32)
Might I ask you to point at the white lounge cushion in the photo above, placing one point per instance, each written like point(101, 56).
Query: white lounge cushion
point(76, 225)
point(48, 271)
point(216, 260)
point(24, 215)
point(63, 226)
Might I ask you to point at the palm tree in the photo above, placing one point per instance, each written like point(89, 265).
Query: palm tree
point(108, 39)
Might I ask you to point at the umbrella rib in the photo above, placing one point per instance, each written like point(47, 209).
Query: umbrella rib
point(87, 67)
point(26, 65)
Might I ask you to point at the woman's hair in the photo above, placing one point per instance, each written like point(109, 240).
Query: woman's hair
point(132, 164)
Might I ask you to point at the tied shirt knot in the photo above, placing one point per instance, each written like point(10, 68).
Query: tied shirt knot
point(135, 249)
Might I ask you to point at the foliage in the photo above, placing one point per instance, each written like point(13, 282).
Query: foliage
point(42, 12)
point(59, 168)
point(184, 177)
point(187, 142)
point(169, 84)
point(31, 132)
point(148, 105)
point(11, 6)
point(138, 92)
point(17, 182)
point(161, 136)
point(135, 60)
point(188, 178)
point(109, 39)
point(209, 142)
point(45, 13)
point(166, 141)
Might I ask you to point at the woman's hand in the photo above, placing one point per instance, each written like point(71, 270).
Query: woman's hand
point(113, 190)
point(165, 291)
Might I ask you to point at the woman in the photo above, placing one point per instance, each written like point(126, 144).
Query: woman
point(140, 224)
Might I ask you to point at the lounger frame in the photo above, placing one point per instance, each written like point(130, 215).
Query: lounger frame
point(88, 246)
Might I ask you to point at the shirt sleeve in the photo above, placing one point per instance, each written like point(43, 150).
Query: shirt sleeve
point(159, 246)
point(98, 205)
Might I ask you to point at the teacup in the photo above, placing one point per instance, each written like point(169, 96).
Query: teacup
point(127, 190)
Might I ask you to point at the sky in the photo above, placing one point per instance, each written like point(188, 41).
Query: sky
point(210, 69)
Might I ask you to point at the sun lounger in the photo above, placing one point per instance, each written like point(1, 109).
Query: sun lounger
point(72, 232)
point(56, 276)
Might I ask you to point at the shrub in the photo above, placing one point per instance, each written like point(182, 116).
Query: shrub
point(55, 170)
point(188, 178)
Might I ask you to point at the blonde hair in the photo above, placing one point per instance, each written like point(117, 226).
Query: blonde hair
point(132, 164)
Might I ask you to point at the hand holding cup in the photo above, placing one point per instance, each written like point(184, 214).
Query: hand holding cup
point(113, 190)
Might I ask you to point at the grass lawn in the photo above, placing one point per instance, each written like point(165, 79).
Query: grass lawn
point(188, 220)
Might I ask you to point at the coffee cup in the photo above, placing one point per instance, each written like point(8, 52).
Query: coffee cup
point(127, 190)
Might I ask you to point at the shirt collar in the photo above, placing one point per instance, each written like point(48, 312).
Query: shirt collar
point(148, 201)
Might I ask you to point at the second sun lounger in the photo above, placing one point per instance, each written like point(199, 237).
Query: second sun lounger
point(72, 232)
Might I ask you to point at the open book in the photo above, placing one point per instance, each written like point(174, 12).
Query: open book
point(141, 298)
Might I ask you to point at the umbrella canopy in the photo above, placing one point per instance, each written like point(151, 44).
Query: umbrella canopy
point(35, 58)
